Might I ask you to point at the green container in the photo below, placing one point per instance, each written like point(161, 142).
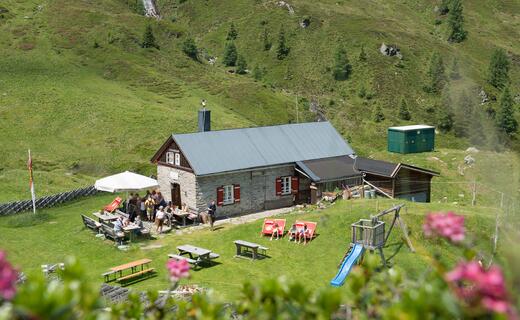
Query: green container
point(411, 139)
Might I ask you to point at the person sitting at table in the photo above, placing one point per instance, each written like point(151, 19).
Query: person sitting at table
point(159, 219)
point(118, 228)
point(138, 222)
point(293, 232)
point(126, 222)
point(276, 230)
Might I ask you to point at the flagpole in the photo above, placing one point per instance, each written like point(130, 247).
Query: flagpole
point(31, 182)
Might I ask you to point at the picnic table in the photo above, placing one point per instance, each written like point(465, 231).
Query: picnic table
point(182, 215)
point(194, 255)
point(131, 228)
point(249, 247)
point(136, 268)
point(105, 216)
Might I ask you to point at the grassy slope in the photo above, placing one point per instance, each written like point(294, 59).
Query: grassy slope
point(89, 111)
point(62, 234)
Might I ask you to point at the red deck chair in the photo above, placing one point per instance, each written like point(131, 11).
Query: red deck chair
point(311, 228)
point(113, 205)
point(267, 228)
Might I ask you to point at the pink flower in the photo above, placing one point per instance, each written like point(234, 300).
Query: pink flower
point(478, 287)
point(8, 278)
point(178, 269)
point(447, 225)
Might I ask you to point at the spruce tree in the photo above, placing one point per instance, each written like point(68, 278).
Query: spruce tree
point(282, 51)
point(506, 114)
point(190, 48)
point(378, 114)
point(149, 38)
point(230, 54)
point(342, 68)
point(267, 41)
point(456, 22)
point(232, 33)
point(404, 113)
point(498, 74)
point(362, 54)
point(436, 76)
point(241, 65)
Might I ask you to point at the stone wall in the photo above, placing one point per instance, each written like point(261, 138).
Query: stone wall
point(257, 190)
point(168, 175)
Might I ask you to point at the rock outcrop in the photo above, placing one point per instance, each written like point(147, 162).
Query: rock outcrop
point(390, 50)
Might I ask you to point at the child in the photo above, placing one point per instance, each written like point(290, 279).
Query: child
point(276, 230)
point(292, 232)
point(302, 233)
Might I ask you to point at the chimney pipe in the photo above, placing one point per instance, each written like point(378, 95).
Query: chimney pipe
point(204, 118)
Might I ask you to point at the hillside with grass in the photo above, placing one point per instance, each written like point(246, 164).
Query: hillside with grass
point(78, 88)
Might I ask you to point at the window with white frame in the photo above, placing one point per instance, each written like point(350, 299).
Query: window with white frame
point(177, 159)
point(286, 185)
point(228, 195)
point(170, 155)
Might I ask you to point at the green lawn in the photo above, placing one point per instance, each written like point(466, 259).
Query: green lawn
point(61, 233)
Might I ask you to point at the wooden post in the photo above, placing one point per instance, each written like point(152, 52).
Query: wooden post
point(474, 198)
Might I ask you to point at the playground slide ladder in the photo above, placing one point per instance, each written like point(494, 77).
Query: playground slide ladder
point(348, 263)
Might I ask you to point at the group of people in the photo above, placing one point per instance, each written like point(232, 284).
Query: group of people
point(298, 234)
point(153, 207)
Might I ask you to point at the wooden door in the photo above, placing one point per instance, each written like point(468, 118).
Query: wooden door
point(176, 195)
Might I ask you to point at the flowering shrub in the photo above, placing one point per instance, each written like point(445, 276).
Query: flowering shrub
point(480, 288)
point(8, 277)
point(446, 225)
point(178, 269)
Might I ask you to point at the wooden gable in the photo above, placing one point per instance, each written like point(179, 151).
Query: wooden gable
point(171, 146)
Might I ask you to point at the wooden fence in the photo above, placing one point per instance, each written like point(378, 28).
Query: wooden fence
point(45, 202)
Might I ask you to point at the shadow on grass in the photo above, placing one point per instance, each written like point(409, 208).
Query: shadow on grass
point(398, 246)
point(27, 220)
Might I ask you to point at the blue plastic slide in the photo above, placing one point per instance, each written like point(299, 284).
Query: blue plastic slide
point(347, 265)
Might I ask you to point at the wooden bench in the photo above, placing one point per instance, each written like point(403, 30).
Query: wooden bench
point(90, 223)
point(135, 275)
point(214, 255)
point(106, 275)
point(178, 258)
point(251, 247)
point(110, 233)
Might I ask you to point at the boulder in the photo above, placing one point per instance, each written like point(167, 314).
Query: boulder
point(390, 51)
point(306, 21)
point(483, 96)
point(286, 5)
point(472, 150)
point(469, 160)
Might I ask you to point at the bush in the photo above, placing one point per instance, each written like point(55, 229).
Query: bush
point(190, 48)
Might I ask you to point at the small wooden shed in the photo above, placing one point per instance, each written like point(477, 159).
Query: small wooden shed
point(411, 139)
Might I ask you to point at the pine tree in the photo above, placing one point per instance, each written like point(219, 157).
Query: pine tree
point(498, 74)
point(241, 65)
point(506, 114)
point(362, 54)
point(267, 41)
point(454, 70)
point(456, 22)
point(190, 48)
point(404, 113)
point(444, 7)
point(282, 51)
point(230, 54)
point(436, 74)
point(378, 114)
point(232, 33)
point(342, 68)
point(149, 38)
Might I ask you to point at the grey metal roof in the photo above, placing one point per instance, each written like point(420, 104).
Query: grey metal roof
point(329, 169)
point(230, 150)
point(378, 167)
